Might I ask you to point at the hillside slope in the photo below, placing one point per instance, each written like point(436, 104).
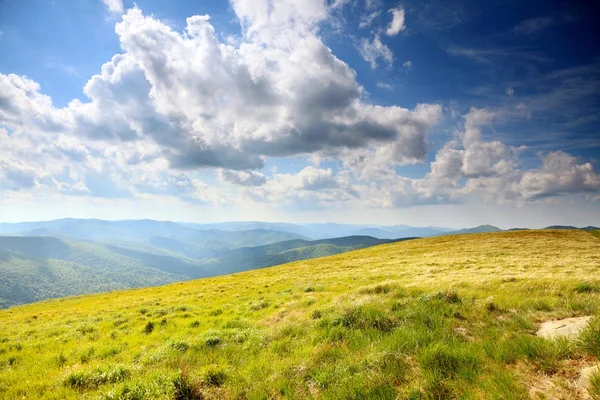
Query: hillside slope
point(37, 268)
point(248, 258)
point(437, 318)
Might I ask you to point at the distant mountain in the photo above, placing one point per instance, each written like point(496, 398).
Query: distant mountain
point(36, 268)
point(161, 237)
point(329, 230)
point(586, 228)
point(293, 250)
point(477, 229)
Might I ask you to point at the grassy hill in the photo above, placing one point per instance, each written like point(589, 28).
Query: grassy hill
point(448, 317)
point(477, 229)
point(248, 258)
point(38, 268)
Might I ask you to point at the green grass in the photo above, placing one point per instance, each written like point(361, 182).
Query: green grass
point(440, 318)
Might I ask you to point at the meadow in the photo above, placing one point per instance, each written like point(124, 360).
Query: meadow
point(451, 317)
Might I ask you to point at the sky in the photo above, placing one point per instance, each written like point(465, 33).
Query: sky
point(421, 112)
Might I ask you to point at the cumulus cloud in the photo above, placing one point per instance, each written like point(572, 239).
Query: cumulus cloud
point(114, 6)
point(309, 187)
point(472, 165)
point(372, 51)
point(559, 174)
point(196, 102)
point(174, 102)
point(397, 23)
point(407, 64)
point(242, 178)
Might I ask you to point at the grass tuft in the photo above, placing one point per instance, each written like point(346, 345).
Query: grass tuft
point(589, 339)
point(442, 361)
point(84, 380)
point(586, 287)
point(149, 328)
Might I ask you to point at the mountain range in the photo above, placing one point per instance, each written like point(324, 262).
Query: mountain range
point(40, 260)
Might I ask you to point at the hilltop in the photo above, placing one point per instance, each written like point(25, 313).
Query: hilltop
point(437, 318)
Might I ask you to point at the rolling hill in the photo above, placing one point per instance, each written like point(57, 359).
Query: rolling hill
point(283, 252)
point(37, 268)
point(477, 229)
point(439, 318)
point(161, 237)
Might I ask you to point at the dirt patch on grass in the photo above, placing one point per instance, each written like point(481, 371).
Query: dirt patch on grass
point(568, 327)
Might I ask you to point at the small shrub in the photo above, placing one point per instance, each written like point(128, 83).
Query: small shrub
point(12, 360)
point(149, 328)
point(316, 314)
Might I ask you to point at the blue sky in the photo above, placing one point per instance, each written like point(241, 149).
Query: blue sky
point(360, 111)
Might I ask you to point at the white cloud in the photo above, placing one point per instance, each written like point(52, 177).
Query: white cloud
point(407, 64)
point(510, 91)
point(173, 103)
point(367, 19)
point(114, 6)
point(372, 51)
point(492, 170)
point(311, 187)
point(384, 85)
point(242, 178)
point(397, 23)
point(338, 4)
point(559, 174)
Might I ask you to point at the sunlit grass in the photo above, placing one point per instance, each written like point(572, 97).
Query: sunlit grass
point(438, 318)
